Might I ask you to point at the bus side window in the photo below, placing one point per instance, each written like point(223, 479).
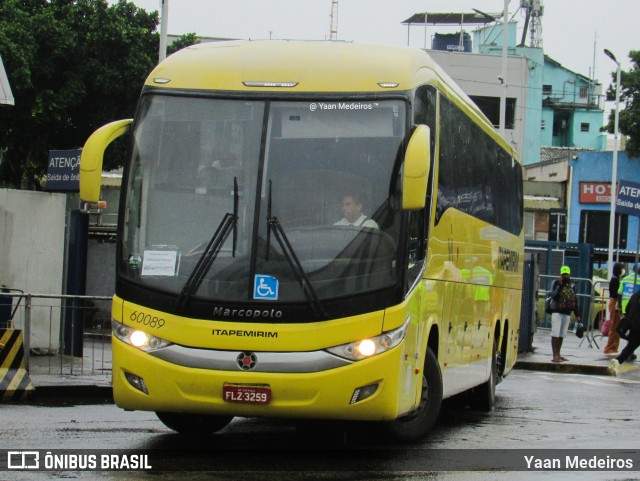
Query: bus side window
point(425, 111)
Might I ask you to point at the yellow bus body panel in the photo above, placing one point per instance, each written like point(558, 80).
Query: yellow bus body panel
point(254, 336)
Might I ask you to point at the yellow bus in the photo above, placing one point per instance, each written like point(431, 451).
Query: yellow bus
point(314, 230)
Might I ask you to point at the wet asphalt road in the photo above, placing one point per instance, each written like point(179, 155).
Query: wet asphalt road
point(535, 411)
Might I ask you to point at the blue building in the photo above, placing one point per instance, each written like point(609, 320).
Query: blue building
point(571, 109)
point(589, 203)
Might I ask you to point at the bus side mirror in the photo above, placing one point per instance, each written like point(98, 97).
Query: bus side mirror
point(417, 162)
point(92, 157)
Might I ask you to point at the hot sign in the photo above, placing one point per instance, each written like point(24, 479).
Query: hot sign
point(595, 192)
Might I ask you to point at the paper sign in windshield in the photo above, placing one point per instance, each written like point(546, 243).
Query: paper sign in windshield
point(159, 263)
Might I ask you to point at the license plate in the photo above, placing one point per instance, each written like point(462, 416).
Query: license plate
point(246, 394)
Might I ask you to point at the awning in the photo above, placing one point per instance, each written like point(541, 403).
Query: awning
point(6, 97)
point(534, 202)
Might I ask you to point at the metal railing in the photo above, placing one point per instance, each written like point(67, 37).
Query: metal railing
point(63, 334)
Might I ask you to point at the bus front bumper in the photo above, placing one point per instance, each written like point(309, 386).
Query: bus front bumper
point(374, 389)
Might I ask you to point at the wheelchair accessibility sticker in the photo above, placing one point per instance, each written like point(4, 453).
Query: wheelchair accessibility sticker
point(265, 287)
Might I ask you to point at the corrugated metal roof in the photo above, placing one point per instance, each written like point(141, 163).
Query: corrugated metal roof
point(559, 154)
point(462, 18)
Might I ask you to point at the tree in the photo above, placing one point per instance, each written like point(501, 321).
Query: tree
point(183, 42)
point(629, 121)
point(73, 65)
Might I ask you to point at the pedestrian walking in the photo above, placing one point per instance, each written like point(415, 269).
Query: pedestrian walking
point(613, 341)
point(632, 315)
point(563, 303)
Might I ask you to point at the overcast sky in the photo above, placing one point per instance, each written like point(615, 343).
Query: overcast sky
point(569, 27)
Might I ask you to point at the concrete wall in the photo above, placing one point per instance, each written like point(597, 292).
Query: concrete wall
point(32, 237)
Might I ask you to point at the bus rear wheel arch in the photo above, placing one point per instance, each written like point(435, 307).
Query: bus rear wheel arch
point(193, 424)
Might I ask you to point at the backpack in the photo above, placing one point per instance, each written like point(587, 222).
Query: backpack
point(566, 299)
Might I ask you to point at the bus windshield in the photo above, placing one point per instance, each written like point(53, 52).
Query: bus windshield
point(263, 200)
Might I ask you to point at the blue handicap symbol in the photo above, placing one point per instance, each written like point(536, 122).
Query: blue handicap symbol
point(265, 287)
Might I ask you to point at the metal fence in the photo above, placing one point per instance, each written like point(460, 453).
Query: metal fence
point(63, 334)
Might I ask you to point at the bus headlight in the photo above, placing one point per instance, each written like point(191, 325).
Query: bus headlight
point(358, 350)
point(136, 338)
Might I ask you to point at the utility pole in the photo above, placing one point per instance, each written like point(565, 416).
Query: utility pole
point(164, 20)
point(503, 77)
point(614, 166)
point(333, 28)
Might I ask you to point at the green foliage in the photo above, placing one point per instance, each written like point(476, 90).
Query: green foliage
point(73, 65)
point(629, 96)
point(184, 41)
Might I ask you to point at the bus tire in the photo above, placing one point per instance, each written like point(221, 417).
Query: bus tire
point(415, 426)
point(193, 424)
point(483, 397)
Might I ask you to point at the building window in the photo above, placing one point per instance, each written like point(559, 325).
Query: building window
point(584, 127)
point(584, 91)
point(490, 106)
point(547, 90)
point(542, 125)
point(594, 229)
point(529, 225)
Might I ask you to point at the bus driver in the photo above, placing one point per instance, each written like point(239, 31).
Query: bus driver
point(352, 213)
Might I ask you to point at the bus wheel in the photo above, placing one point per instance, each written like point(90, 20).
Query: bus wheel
point(191, 424)
point(415, 426)
point(483, 397)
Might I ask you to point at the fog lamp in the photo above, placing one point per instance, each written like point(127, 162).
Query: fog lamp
point(137, 382)
point(362, 393)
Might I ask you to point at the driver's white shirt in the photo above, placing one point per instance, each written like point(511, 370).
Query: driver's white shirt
point(362, 221)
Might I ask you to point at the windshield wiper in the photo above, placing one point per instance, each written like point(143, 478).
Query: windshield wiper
point(292, 259)
point(228, 224)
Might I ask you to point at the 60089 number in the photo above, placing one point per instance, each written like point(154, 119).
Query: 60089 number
point(146, 319)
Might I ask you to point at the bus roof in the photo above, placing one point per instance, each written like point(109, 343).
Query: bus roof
point(315, 66)
point(307, 66)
